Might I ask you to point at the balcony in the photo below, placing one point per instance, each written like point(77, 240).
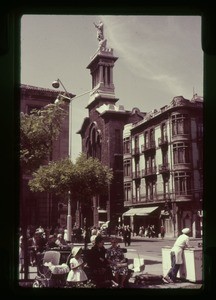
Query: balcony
point(182, 166)
point(164, 168)
point(136, 175)
point(135, 151)
point(148, 147)
point(156, 197)
point(152, 171)
point(183, 196)
point(163, 197)
point(180, 137)
point(163, 141)
point(127, 178)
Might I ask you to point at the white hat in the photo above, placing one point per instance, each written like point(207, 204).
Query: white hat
point(186, 230)
point(75, 250)
point(92, 238)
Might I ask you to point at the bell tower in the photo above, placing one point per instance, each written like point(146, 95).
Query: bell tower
point(101, 132)
point(101, 69)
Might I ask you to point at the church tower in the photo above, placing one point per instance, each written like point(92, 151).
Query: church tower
point(101, 70)
point(102, 132)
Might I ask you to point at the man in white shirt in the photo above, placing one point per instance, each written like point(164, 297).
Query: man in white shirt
point(176, 255)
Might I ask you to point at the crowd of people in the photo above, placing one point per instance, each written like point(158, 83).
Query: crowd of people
point(104, 266)
point(38, 241)
point(149, 231)
point(101, 265)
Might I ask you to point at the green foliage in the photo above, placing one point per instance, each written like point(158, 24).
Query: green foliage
point(56, 177)
point(84, 179)
point(38, 130)
point(92, 176)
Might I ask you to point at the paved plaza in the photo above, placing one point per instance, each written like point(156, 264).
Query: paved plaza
point(148, 251)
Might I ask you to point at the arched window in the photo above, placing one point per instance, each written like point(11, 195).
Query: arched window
point(93, 141)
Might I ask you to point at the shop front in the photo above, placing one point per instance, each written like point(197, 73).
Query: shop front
point(142, 216)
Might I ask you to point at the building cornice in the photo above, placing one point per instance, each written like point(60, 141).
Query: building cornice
point(175, 104)
point(34, 90)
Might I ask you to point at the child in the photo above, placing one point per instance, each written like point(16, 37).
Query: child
point(76, 274)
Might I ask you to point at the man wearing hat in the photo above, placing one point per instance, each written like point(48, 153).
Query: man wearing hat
point(176, 255)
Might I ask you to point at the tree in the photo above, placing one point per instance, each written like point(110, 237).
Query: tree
point(91, 177)
point(38, 130)
point(84, 179)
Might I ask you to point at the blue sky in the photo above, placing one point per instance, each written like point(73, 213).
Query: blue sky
point(160, 57)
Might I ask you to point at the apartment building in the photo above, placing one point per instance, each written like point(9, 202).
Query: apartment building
point(163, 168)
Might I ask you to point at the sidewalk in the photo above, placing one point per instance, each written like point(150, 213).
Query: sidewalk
point(152, 267)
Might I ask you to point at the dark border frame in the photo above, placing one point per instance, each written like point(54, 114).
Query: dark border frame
point(10, 81)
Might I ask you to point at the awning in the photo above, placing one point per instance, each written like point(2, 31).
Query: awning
point(141, 211)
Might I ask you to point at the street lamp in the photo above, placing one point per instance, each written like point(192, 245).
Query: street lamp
point(67, 97)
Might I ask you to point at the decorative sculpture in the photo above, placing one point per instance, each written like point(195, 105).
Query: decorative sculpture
point(100, 34)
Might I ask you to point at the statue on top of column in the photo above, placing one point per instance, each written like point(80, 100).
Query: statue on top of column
point(100, 34)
